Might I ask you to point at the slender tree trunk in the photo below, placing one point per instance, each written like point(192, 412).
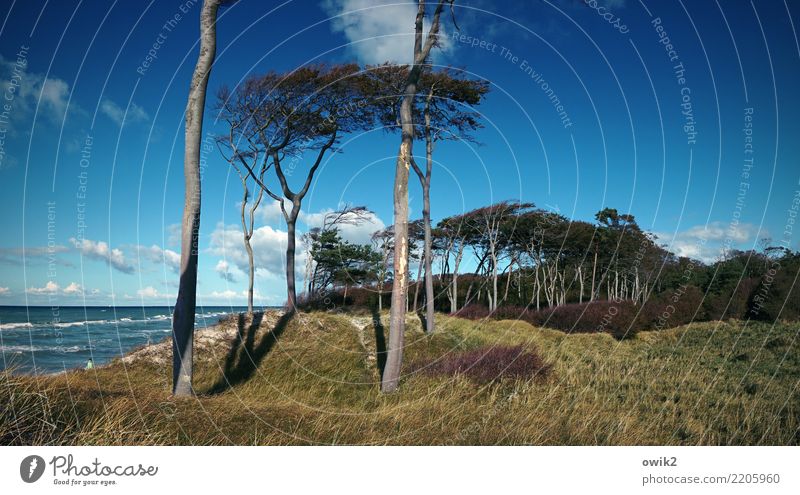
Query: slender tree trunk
point(291, 293)
point(457, 263)
point(397, 320)
point(427, 255)
point(251, 274)
point(426, 217)
point(594, 274)
point(416, 287)
point(185, 305)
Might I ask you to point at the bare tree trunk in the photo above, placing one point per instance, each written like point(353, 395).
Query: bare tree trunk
point(416, 287)
point(459, 255)
point(594, 274)
point(427, 255)
point(185, 305)
point(397, 321)
point(426, 217)
point(291, 293)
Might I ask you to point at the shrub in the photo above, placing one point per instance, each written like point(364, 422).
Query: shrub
point(731, 303)
point(473, 312)
point(615, 317)
point(672, 309)
point(775, 297)
point(488, 364)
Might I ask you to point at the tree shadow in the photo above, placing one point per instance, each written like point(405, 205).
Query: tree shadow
point(380, 341)
point(422, 319)
point(245, 355)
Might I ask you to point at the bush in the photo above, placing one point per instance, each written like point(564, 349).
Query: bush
point(672, 309)
point(731, 303)
point(473, 312)
point(619, 318)
point(775, 297)
point(488, 364)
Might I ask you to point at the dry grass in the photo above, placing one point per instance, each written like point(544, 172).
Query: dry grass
point(313, 380)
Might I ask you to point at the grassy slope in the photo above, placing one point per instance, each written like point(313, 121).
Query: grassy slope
point(708, 383)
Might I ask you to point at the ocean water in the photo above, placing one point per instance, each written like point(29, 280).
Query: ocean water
point(47, 340)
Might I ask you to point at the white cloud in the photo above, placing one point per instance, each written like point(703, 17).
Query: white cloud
point(380, 30)
point(99, 250)
point(269, 249)
point(4, 291)
point(174, 235)
point(14, 256)
point(148, 292)
point(29, 89)
point(135, 113)
point(226, 294)
point(73, 289)
point(269, 211)
point(165, 257)
point(49, 288)
point(227, 272)
point(708, 243)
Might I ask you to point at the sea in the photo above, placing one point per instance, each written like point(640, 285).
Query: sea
point(36, 339)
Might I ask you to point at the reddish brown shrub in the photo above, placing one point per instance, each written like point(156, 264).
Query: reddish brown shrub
point(615, 317)
point(488, 364)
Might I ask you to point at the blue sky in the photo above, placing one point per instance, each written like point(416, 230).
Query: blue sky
point(92, 139)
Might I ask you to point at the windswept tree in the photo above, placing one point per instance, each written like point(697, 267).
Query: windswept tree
point(445, 112)
point(331, 221)
point(185, 305)
point(292, 119)
point(451, 235)
point(247, 215)
point(422, 50)
point(383, 243)
point(339, 263)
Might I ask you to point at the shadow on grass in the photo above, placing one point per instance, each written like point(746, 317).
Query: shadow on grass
point(380, 341)
point(422, 320)
point(245, 354)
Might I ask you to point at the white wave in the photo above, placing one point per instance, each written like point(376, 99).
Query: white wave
point(19, 349)
point(11, 326)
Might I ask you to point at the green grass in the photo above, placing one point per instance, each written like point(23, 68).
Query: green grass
point(317, 383)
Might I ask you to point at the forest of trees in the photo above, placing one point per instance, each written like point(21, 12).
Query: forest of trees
point(513, 257)
point(509, 259)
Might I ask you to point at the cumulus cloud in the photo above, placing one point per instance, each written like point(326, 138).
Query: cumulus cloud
point(227, 272)
point(160, 256)
point(708, 243)
point(269, 249)
point(52, 288)
point(269, 211)
point(73, 289)
point(379, 30)
point(226, 294)
point(49, 288)
point(120, 116)
point(148, 292)
point(100, 250)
